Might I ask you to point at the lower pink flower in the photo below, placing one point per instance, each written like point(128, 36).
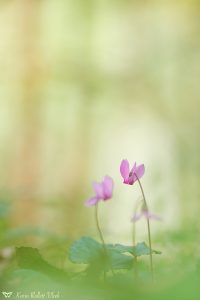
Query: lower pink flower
point(103, 191)
point(145, 214)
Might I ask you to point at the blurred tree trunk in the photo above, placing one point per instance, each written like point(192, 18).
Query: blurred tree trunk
point(75, 215)
point(26, 169)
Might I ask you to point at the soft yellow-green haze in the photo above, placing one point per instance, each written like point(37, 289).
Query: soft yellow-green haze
point(85, 84)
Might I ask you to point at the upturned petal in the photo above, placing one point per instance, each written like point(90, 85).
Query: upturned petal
point(124, 170)
point(92, 201)
point(98, 188)
point(136, 173)
point(134, 168)
point(149, 215)
point(107, 187)
point(140, 171)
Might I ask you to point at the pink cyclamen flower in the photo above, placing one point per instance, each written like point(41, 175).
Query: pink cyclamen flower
point(103, 191)
point(131, 176)
point(146, 214)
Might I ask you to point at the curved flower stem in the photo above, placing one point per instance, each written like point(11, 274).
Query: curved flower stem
point(102, 238)
point(98, 227)
point(148, 227)
point(134, 244)
point(135, 257)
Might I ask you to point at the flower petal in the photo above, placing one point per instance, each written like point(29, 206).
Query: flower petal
point(134, 168)
point(92, 201)
point(124, 170)
point(132, 177)
point(136, 217)
point(140, 171)
point(107, 187)
point(98, 188)
point(149, 215)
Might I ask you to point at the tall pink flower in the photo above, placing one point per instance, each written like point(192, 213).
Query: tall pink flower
point(130, 176)
point(103, 191)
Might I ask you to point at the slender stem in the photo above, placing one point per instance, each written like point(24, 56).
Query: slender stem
point(135, 257)
point(151, 256)
point(148, 227)
point(134, 243)
point(101, 236)
point(98, 227)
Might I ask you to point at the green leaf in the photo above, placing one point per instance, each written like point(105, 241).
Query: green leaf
point(85, 251)
point(138, 250)
point(143, 249)
point(88, 251)
point(30, 258)
point(120, 261)
point(120, 248)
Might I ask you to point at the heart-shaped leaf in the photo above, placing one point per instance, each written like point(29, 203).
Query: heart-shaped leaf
point(88, 251)
point(85, 251)
point(138, 250)
point(143, 249)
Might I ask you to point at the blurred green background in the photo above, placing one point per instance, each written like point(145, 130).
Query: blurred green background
point(84, 84)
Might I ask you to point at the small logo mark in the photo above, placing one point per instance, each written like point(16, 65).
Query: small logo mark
point(7, 294)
